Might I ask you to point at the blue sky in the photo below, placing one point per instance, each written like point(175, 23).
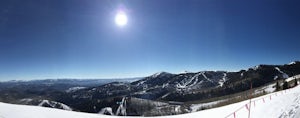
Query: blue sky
point(79, 39)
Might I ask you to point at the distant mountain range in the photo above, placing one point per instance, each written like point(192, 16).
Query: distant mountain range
point(161, 90)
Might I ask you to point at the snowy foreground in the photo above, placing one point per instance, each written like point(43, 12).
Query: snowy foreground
point(283, 104)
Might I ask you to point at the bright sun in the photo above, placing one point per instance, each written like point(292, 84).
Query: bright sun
point(121, 19)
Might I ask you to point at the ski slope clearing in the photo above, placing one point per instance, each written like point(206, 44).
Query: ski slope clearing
point(282, 104)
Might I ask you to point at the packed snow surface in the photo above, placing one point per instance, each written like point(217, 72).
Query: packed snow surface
point(292, 78)
point(283, 104)
point(196, 107)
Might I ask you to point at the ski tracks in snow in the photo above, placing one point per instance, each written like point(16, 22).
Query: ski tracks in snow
point(293, 111)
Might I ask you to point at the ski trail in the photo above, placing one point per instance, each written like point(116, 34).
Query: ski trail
point(293, 111)
point(203, 74)
point(185, 84)
point(221, 82)
point(283, 74)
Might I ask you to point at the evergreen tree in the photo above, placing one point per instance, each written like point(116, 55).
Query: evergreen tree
point(285, 85)
point(277, 86)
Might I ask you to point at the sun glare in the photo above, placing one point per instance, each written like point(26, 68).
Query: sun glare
point(121, 19)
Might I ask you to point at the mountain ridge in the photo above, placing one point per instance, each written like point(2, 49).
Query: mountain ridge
point(173, 90)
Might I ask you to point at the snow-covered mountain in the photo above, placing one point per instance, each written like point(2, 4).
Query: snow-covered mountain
point(182, 88)
point(282, 104)
point(173, 90)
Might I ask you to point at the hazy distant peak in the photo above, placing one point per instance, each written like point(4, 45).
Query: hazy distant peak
point(162, 73)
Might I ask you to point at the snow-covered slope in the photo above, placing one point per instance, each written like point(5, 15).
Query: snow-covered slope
point(53, 104)
point(23, 111)
point(280, 104)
